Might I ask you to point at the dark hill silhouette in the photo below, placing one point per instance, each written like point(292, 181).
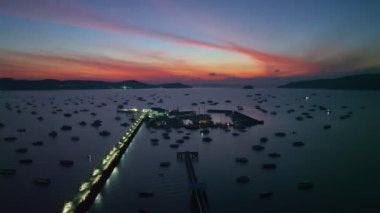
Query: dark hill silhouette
point(50, 84)
point(352, 82)
point(174, 85)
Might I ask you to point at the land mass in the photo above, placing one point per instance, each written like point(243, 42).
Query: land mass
point(352, 82)
point(50, 84)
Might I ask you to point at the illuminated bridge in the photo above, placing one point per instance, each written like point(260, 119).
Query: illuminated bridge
point(89, 189)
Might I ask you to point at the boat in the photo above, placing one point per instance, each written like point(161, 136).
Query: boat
point(96, 123)
point(165, 164)
point(305, 185)
point(242, 179)
point(6, 172)
point(154, 140)
point(21, 150)
point(104, 133)
point(274, 155)
point(174, 146)
point(10, 139)
point(66, 128)
point(257, 147)
point(53, 134)
point(266, 194)
point(280, 134)
point(242, 160)
point(66, 163)
point(141, 210)
point(26, 161)
point(125, 124)
point(37, 143)
point(180, 141)
point(42, 181)
point(74, 139)
point(206, 139)
point(268, 166)
point(263, 139)
point(298, 143)
point(146, 194)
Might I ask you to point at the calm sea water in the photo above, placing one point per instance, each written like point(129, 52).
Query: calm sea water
point(342, 162)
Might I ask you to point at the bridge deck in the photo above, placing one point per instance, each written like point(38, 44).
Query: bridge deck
point(198, 193)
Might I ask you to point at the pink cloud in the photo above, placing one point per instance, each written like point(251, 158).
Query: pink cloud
point(75, 14)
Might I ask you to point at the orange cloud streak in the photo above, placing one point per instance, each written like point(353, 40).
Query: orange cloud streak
point(34, 66)
point(77, 15)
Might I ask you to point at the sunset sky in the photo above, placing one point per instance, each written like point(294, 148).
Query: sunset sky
point(186, 40)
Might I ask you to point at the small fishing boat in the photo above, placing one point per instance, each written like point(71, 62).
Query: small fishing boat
point(66, 163)
point(206, 139)
point(266, 194)
point(298, 143)
point(165, 164)
point(42, 181)
point(257, 147)
point(242, 179)
point(305, 185)
point(268, 166)
point(26, 161)
point(263, 139)
point(104, 133)
point(242, 160)
point(6, 172)
point(274, 155)
point(146, 194)
point(37, 143)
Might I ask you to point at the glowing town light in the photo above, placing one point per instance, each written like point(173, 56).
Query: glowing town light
point(67, 207)
point(114, 153)
point(84, 196)
point(96, 179)
point(96, 172)
point(84, 186)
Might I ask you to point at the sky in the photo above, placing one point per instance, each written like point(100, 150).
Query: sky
point(186, 40)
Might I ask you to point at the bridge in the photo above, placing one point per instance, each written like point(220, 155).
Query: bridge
point(198, 197)
point(89, 189)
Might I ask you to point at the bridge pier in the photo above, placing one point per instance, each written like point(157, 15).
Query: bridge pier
point(192, 155)
point(198, 198)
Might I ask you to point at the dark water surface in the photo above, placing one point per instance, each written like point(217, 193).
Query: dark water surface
point(342, 162)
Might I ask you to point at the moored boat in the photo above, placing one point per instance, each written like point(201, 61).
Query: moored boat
point(42, 181)
point(66, 163)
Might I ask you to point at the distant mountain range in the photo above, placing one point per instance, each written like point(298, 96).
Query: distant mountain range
point(352, 82)
point(49, 84)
